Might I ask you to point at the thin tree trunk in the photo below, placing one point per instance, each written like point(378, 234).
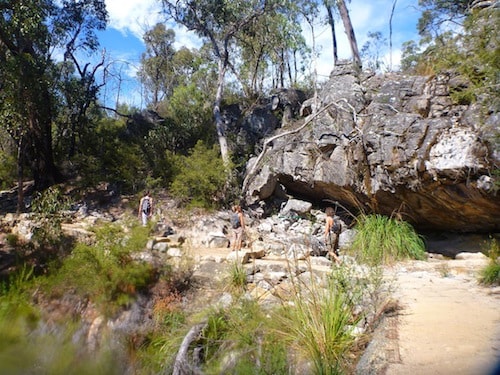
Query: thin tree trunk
point(219, 123)
point(344, 14)
point(390, 34)
point(20, 176)
point(331, 21)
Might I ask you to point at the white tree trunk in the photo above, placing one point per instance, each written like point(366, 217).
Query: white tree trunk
point(219, 124)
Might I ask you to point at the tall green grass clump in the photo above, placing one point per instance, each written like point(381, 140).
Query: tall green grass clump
point(383, 240)
point(237, 277)
point(318, 324)
point(490, 275)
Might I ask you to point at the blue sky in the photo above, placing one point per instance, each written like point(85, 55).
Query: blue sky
point(129, 19)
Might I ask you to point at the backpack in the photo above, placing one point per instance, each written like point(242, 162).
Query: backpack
point(336, 227)
point(235, 221)
point(146, 205)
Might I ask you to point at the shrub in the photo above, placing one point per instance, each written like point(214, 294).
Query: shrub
point(201, 179)
point(237, 277)
point(8, 170)
point(381, 240)
point(490, 275)
point(105, 272)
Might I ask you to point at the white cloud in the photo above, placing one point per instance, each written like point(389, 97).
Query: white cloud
point(133, 16)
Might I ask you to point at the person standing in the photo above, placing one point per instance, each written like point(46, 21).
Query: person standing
point(145, 208)
point(238, 224)
point(332, 233)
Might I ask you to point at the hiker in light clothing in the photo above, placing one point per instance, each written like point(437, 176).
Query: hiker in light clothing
point(145, 208)
point(238, 224)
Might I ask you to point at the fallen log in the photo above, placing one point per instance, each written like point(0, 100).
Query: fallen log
point(182, 365)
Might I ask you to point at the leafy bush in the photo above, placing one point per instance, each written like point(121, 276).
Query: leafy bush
point(49, 241)
point(106, 272)
point(202, 178)
point(110, 156)
point(490, 275)
point(7, 170)
point(380, 240)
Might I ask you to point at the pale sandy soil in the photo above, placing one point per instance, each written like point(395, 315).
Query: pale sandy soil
point(448, 323)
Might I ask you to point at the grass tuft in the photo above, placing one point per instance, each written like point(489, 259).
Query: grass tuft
point(383, 240)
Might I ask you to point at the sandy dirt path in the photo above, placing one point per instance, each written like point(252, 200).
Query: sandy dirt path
point(448, 325)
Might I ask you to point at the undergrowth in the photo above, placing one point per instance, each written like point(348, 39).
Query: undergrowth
point(383, 240)
point(490, 275)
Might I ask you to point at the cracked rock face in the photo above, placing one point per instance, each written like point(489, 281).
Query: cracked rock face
point(389, 144)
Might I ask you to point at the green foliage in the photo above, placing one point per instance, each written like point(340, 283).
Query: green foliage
point(244, 331)
point(47, 207)
point(318, 324)
point(105, 272)
point(110, 156)
point(49, 351)
point(27, 345)
point(7, 170)
point(202, 178)
point(49, 202)
point(31, 83)
point(474, 53)
point(490, 275)
point(380, 240)
point(237, 276)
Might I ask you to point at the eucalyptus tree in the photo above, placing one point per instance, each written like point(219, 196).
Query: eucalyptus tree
point(156, 71)
point(349, 30)
point(438, 15)
point(220, 23)
point(330, 11)
point(31, 33)
point(274, 46)
point(339, 6)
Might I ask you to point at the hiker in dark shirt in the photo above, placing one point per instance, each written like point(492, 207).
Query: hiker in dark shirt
point(145, 208)
point(332, 233)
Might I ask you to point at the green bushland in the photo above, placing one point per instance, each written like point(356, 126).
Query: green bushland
point(7, 170)
point(490, 275)
point(201, 180)
point(105, 272)
point(381, 240)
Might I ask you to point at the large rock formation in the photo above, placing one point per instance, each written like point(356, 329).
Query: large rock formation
point(390, 144)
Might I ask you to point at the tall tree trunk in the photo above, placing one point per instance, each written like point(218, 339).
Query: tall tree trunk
point(219, 123)
point(331, 21)
point(39, 137)
point(20, 175)
point(390, 34)
point(344, 14)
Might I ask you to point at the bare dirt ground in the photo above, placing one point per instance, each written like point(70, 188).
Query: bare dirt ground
point(448, 323)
